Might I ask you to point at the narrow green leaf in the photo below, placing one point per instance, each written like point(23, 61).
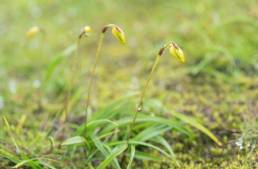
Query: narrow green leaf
point(22, 163)
point(50, 69)
point(151, 131)
point(132, 154)
point(6, 123)
point(74, 140)
point(11, 133)
point(173, 123)
point(116, 152)
point(94, 123)
point(150, 146)
point(146, 156)
point(197, 125)
point(122, 106)
point(47, 165)
point(8, 155)
point(164, 142)
point(101, 147)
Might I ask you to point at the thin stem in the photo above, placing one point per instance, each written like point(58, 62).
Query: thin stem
point(71, 82)
point(40, 90)
point(93, 73)
point(140, 104)
point(11, 134)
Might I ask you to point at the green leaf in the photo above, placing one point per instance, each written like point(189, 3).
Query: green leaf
point(9, 131)
point(132, 154)
point(164, 142)
point(150, 146)
point(173, 123)
point(8, 155)
point(124, 105)
point(47, 165)
point(94, 123)
point(116, 152)
point(146, 156)
point(74, 140)
point(151, 132)
point(50, 69)
point(23, 163)
point(197, 125)
point(101, 147)
point(33, 163)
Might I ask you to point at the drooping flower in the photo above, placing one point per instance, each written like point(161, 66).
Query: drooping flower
point(32, 31)
point(177, 52)
point(85, 31)
point(119, 34)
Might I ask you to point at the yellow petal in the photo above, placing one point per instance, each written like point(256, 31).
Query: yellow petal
point(32, 31)
point(177, 52)
point(119, 34)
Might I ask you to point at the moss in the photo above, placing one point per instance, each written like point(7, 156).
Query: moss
point(217, 85)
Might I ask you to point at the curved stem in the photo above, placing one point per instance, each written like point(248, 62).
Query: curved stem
point(140, 104)
point(93, 73)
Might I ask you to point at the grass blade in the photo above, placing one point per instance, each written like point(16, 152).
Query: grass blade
point(146, 156)
point(22, 163)
point(173, 123)
point(151, 132)
point(101, 147)
point(9, 156)
point(74, 140)
point(116, 152)
point(50, 70)
point(197, 125)
point(132, 154)
point(150, 146)
point(164, 142)
point(47, 165)
point(119, 106)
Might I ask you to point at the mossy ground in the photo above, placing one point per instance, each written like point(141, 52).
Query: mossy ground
point(217, 85)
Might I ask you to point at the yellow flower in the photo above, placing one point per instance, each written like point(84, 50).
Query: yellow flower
point(177, 52)
point(87, 29)
point(119, 34)
point(32, 31)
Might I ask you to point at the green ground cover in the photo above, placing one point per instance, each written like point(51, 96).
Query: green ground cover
point(216, 87)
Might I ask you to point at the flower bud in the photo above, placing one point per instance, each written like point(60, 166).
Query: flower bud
point(118, 34)
point(177, 52)
point(32, 31)
point(85, 31)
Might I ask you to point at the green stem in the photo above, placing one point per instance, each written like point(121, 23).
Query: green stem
point(71, 81)
point(93, 73)
point(140, 104)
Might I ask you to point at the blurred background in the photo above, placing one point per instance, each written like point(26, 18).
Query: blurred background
point(218, 84)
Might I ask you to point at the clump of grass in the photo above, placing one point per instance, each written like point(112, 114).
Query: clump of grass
point(21, 156)
point(103, 135)
point(106, 141)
